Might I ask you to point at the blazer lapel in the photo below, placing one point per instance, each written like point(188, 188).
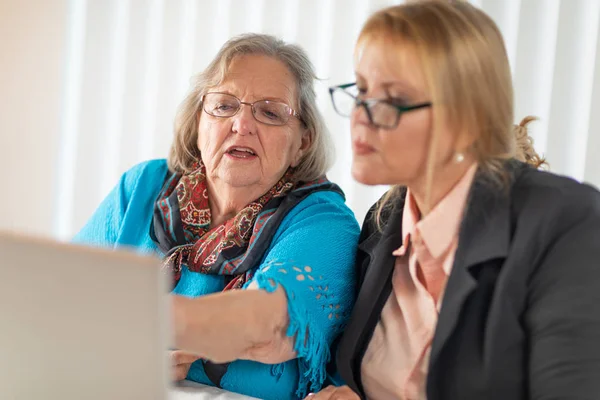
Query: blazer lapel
point(484, 235)
point(377, 283)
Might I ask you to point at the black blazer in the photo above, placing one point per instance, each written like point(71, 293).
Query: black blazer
point(520, 317)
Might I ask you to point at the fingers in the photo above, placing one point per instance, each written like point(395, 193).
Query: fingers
point(179, 372)
point(334, 393)
point(182, 357)
point(324, 394)
point(181, 362)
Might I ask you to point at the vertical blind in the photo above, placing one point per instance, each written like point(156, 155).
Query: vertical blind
point(129, 62)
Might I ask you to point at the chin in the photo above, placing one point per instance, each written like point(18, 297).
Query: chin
point(366, 175)
point(239, 177)
point(240, 181)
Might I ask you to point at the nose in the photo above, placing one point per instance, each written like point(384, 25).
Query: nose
point(359, 116)
point(244, 122)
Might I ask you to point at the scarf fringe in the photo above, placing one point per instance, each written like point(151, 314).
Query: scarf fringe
point(277, 370)
point(312, 350)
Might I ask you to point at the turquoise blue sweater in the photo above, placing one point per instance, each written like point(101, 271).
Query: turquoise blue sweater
point(311, 256)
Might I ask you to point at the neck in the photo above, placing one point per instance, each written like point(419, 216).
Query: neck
point(444, 180)
point(225, 201)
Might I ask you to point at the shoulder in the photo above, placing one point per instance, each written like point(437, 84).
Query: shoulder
point(320, 230)
point(556, 199)
point(320, 215)
point(144, 179)
point(125, 212)
point(390, 205)
point(322, 204)
point(555, 222)
point(146, 171)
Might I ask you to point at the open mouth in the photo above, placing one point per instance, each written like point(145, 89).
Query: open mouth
point(241, 152)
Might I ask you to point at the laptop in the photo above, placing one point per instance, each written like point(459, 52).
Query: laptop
point(85, 323)
point(80, 323)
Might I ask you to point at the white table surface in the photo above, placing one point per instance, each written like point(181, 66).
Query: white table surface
point(187, 390)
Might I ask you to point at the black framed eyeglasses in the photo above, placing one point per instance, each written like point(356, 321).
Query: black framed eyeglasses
point(381, 113)
point(225, 105)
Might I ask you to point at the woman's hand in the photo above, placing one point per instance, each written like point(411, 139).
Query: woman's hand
point(238, 324)
point(334, 393)
point(181, 363)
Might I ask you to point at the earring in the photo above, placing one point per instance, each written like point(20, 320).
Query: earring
point(459, 157)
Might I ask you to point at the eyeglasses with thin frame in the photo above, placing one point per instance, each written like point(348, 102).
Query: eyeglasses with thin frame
point(225, 105)
point(382, 113)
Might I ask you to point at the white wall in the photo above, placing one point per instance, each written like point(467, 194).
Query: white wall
point(90, 87)
point(32, 38)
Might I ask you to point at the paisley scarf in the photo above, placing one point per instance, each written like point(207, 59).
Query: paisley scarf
point(182, 225)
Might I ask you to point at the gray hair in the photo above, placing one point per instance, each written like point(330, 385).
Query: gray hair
point(319, 156)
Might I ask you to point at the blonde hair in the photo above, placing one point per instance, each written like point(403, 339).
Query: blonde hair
point(318, 157)
point(467, 73)
point(525, 150)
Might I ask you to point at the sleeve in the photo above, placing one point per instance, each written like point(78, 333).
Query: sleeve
point(563, 319)
point(313, 261)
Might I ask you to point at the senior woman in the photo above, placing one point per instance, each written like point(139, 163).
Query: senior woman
point(243, 203)
point(479, 275)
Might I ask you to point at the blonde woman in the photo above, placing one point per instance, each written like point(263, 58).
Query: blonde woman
point(479, 274)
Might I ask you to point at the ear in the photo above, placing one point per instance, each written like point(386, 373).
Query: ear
point(198, 129)
point(305, 143)
point(464, 142)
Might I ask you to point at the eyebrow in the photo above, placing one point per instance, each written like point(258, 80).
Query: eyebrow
point(278, 99)
point(387, 85)
point(268, 98)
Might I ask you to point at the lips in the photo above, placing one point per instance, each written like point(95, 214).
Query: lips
point(241, 152)
point(362, 148)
